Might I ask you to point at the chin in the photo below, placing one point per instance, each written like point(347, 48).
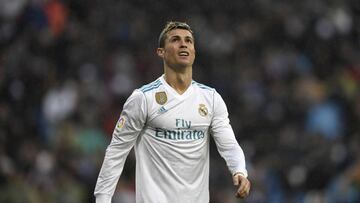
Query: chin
point(182, 65)
point(185, 63)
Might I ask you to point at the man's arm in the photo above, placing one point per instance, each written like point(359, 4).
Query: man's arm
point(127, 129)
point(228, 147)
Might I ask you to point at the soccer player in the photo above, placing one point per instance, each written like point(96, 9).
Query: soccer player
point(170, 123)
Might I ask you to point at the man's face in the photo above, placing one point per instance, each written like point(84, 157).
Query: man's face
point(179, 50)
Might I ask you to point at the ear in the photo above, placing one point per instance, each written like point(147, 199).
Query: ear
point(160, 52)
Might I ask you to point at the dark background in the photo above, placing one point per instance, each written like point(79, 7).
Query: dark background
point(289, 72)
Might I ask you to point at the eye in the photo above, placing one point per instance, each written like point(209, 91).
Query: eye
point(189, 40)
point(174, 39)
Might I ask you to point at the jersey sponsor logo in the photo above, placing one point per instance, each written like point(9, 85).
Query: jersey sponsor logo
point(203, 111)
point(183, 131)
point(182, 123)
point(161, 98)
point(179, 134)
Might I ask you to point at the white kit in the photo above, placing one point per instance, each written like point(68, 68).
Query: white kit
point(171, 135)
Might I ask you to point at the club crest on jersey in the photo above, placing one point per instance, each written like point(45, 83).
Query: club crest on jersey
point(161, 98)
point(203, 111)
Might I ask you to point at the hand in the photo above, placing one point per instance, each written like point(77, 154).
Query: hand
point(243, 183)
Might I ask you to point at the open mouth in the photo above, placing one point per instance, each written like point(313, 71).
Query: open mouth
point(184, 53)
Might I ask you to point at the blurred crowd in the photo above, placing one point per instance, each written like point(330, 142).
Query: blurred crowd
point(289, 72)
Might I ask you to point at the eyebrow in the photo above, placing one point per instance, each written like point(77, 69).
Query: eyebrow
point(178, 36)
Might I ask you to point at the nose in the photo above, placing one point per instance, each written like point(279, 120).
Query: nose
point(183, 44)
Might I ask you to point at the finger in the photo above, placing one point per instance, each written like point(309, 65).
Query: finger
point(243, 183)
point(242, 194)
point(244, 189)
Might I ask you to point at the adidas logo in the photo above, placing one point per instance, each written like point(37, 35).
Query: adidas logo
point(162, 110)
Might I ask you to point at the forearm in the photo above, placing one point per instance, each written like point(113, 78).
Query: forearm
point(111, 169)
point(232, 153)
point(225, 140)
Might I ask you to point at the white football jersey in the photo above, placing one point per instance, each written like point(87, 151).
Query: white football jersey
point(171, 135)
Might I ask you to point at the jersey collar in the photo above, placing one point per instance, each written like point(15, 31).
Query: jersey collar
point(172, 91)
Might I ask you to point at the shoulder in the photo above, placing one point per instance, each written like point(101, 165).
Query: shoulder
point(153, 86)
point(208, 91)
point(136, 97)
point(203, 87)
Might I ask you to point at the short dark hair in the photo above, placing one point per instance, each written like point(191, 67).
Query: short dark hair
point(171, 26)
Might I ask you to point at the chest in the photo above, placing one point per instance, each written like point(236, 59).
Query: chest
point(192, 113)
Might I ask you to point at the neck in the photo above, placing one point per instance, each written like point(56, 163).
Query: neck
point(178, 80)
